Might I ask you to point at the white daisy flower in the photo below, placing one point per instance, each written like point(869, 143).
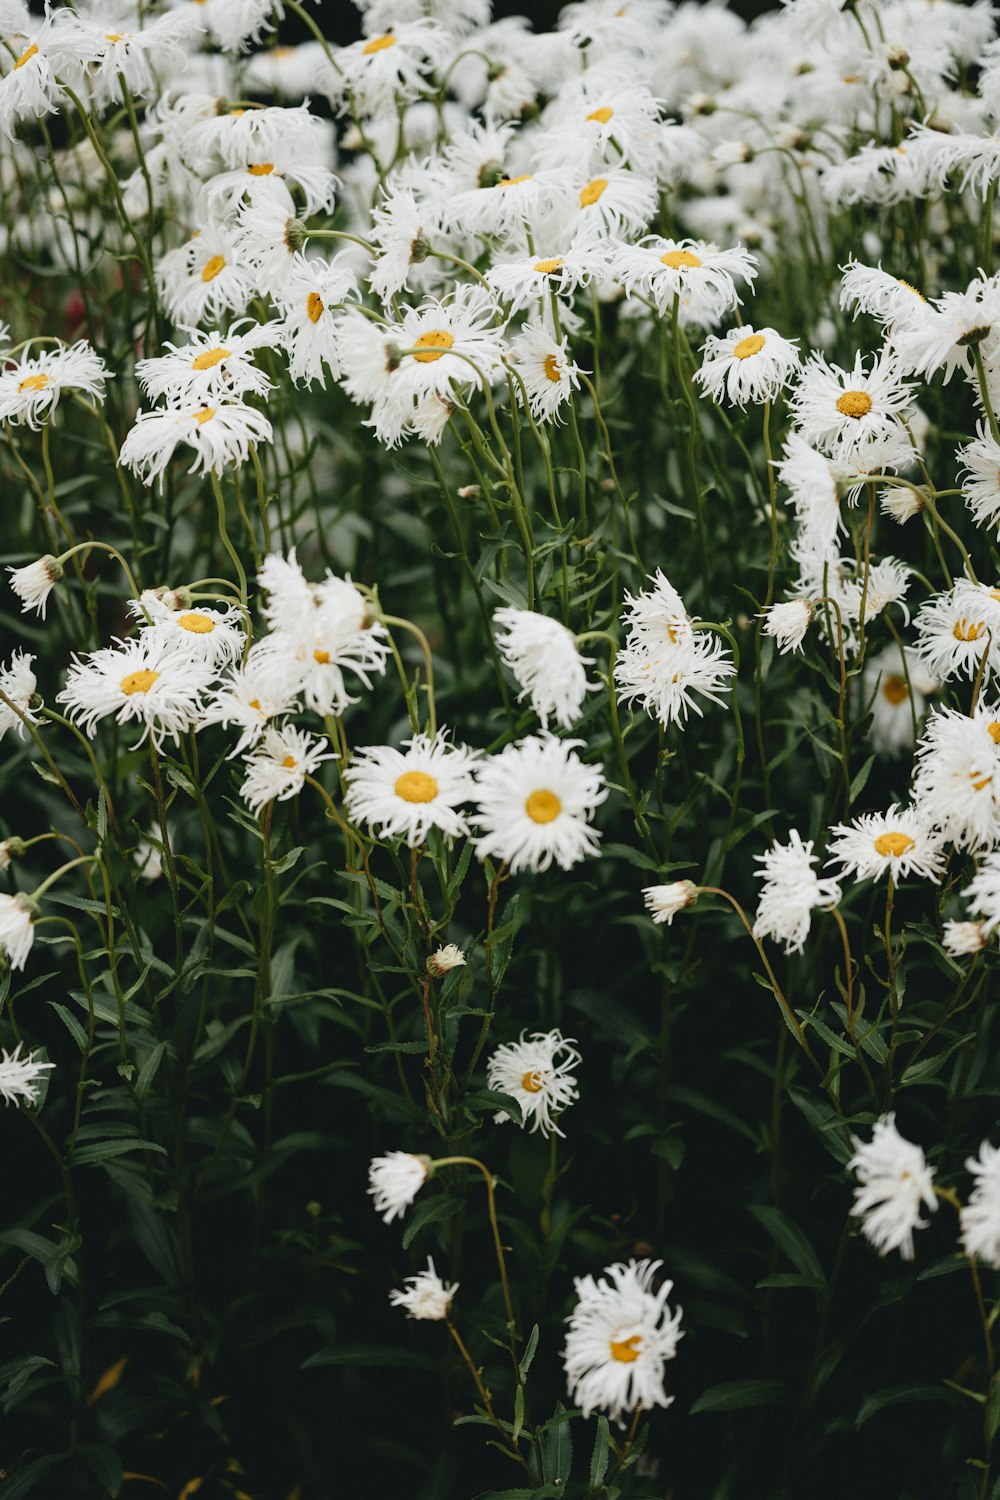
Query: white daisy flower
point(899, 842)
point(954, 325)
point(377, 73)
point(18, 683)
point(620, 1335)
point(425, 1296)
point(983, 892)
point(788, 623)
point(108, 53)
point(791, 891)
point(662, 679)
point(980, 1217)
point(443, 960)
point(535, 802)
point(17, 928)
point(140, 681)
point(700, 275)
point(842, 411)
point(20, 1076)
point(30, 90)
point(220, 435)
point(956, 627)
point(34, 583)
point(309, 302)
point(395, 1180)
point(505, 205)
point(615, 202)
point(250, 697)
point(885, 690)
point(401, 231)
point(204, 278)
point(869, 289)
point(277, 768)
point(410, 793)
point(538, 1073)
point(748, 364)
point(980, 468)
point(543, 657)
point(663, 902)
point(233, 24)
point(957, 776)
point(457, 16)
point(213, 366)
point(894, 1181)
point(963, 939)
point(212, 635)
point(532, 280)
point(546, 369)
point(269, 237)
point(30, 387)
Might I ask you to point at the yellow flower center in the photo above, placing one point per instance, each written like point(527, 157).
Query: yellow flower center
point(34, 383)
point(416, 786)
point(546, 267)
point(314, 307)
point(205, 415)
point(196, 622)
point(531, 1083)
point(908, 288)
point(894, 688)
point(855, 404)
point(995, 594)
point(114, 36)
point(551, 368)
point(542, 807)
point(138, 682)
point(602, 115)
point(592, 191)
point(289, 763)
point(209, 358)
point(27, 56)
point(322, 657)
point(626, 1351)
point(681, 260)
point(513, 181)
point(746, 348)
point(968, 630)
point(433, 343)
point(893, 844)
point(378, 44)
point(260, 168)
point(212, 267)
point(255, 703)
point(994, 731)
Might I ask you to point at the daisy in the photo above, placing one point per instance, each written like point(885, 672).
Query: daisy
point(232, 24)
point(204, 277)
point(509, 203)
point(957, 628)
point(980, 1217)
point(547, 372)
point(17, 928)
point(20, 1076)
point(34, 583)
point(401, 230)
point(457, 16)
point(18, 684)
point(700, 275)
point(538, 1074)
point(963, 939)
point(308, 303)
point(615, 202)
point(524, 280)
point(790, 892)
point(30, 90)
point(289, 162)
point(379, 73)
point(213, 366)
point(898, 842)
point(663, 679)
point(250, 697)
point(602, 115)
point(983, 893)
point(268, 237)
point(812, 480)
point(425, 1295)
point(443, 960)
point(842, 411)
point(212, 635)
point(980, 467)
point(869, 289)
point(410, 793)
point(894, 1181)
point(220, 435)
point(277, 768)
point(535, 803)
point(663, 902)
point(950, 329)
point(886, 694)
point(748, 365)
point(146, 682)
point(395, 1180)
point(788, 623)
point(543, 657)
point(620, 1335)
point(111, 56)
point(30, 387)
point(957, 776)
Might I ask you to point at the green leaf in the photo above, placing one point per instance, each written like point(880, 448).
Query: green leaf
point(529, 1353)
point(101, 1151)
point(557, 1448)
point(858, 784)
point(430, 1211)
point(601, 1454)
point(105, 1465)
point(383, 1355)
point(899, 1395)
point(734, 1395)
point(787, 1234)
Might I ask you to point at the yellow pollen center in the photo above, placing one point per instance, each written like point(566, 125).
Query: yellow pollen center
point(908, 288)
point(746, 348)
point(546, 267)
point(968, 630)
point(993, 730)
point(138, 682)
point(209, 358)
point(592, 191)
point(322, 657)
point(995, 594)
point(416, 786)
point(196, 622)
point(114, 36)
point(893, 844)
point(531, 1083)
point(205, 415)
point(681, 260)
point(854, 404)
point(289, 763)
point(551, 368)
point(378, 44)
point(513, 181)
point(212, 267)
point(626, 1351)
point(255, 703)
point(27, 56)
point(542, 807)
point(894, 688)
point(433, 343)
point(260, 168)
point(314, 307)
point(602, 115)
point(34, 383)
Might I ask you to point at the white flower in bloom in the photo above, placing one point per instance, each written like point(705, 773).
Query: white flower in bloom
point(951, 328)
point(956, 628)
point(269, 237)
point(212, 635)
point(980, 463)
point(220, 435)
point(615, 202)
point(813, 482)
point(962, 939)
point(869, 289)
point(535, 802)
point(375, 74)
point(426, 1295)
point(885, 691)
point(894, 1181)
point(250, 697)
point(17, 928)
point(146, 682)
point(701, 276)
point(886, 583)
point(980, 1217)
point(30, 388)
point(204, 277)
point(18, 683)
point(842, 411)
point(957, 776)
point(504, 205)
point(33, 584)
point(748, 364)
point(213, 366)
point(532, 280)
point(458, 16)
point(19, 1076)
point(788, 623)
point(108, 52)
point(232, 24)
point(29, 90)
point(409, 793)
point(548, 373)
point(898, 842)
point(663, 902)
point(443, 960)
point(620, 1335)
point(790, 892)
point(278, 767)
point(543, 657)
point(538, 1073)
point(308, 303)
point(983, 893)
point(662, 679)
point(395, 1180)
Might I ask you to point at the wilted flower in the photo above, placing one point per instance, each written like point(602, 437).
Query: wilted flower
point(894, 1182)
point(395, 1180)
point(426, 1295)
